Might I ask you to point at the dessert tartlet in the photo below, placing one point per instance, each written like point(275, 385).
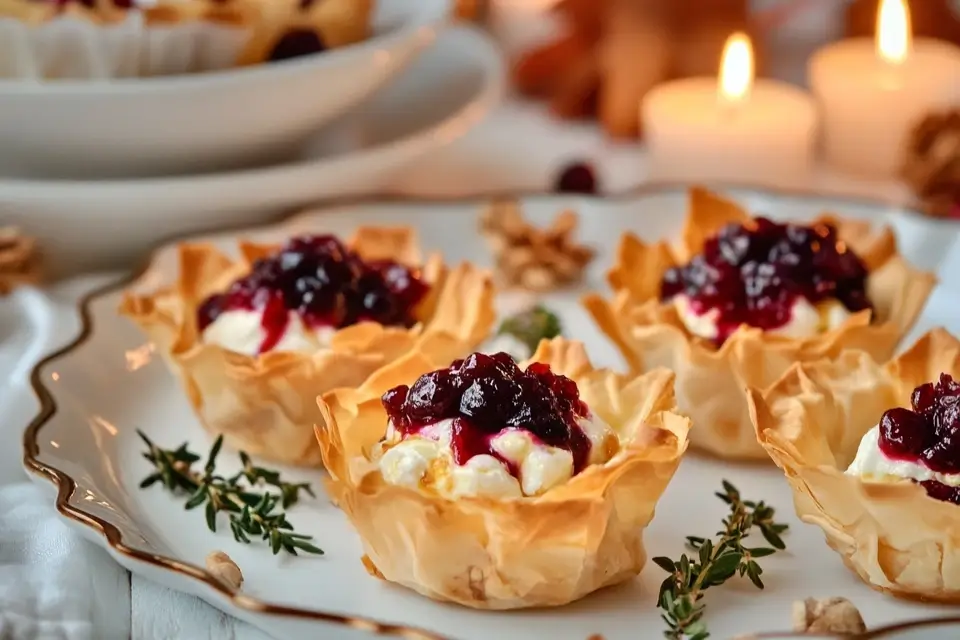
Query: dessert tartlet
point(500, 486)
point(741, 299)
point(253, 340)
point(888, 503)
point(216, 33)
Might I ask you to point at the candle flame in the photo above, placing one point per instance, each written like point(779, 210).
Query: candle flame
point(893, 31)
point(736, 68)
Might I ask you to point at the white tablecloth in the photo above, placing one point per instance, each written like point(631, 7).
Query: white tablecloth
point(53, 584)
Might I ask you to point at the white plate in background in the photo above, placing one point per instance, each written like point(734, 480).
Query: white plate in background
point(446, 92)
point(179, 124)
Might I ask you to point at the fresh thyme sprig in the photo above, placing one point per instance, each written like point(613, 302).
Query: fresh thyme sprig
point(715, 563)
point(252, 512)
point(531, 326)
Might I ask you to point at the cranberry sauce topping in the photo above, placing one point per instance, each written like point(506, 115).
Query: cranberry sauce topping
point(929, 433)
point(323, 281)
point(753, 274)
point(485, 394)
point(92, 4)
point(940, 491)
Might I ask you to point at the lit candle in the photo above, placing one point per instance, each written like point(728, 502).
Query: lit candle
point(872, 93)
point(737, 129)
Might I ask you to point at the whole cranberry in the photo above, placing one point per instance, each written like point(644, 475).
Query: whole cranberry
point(903, 433)
point(944, 455)
point(946, 385)
point(924, 399)
point(484, 400)
point(576, 178)
point(431, 397)
point(394, 398)
point(296, 43)
point(733, 243)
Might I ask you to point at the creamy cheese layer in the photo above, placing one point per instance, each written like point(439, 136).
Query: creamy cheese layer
point(806, 320)
point(425, 460)
point(872, 464)
point(241, 331)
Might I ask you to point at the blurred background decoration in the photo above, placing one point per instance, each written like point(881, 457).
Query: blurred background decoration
point(612, 52)
point(931, 18)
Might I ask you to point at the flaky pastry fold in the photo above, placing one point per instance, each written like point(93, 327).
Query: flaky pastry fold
point(266, 405)
point(894, 536)
point(711, 381)
point(522, 552)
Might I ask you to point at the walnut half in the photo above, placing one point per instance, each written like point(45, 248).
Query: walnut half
point(827, 615)
point(534, 258)
point(224, 569)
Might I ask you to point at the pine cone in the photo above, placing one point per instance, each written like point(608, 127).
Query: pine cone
point(19, 260)
point(932, 163)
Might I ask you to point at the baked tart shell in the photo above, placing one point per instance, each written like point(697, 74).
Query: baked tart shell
point(891, 534)
point(524, 552)
point(265, 405)
point(710, 381)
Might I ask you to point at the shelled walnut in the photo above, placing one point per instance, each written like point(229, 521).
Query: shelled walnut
point(539, 259)
point(224, 569)
point(827, 615)
point(932, 163)
point(19, 260)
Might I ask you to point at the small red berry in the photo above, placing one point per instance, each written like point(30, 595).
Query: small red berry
point(577, 178)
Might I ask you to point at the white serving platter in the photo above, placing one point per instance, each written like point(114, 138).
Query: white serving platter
point(97, 391)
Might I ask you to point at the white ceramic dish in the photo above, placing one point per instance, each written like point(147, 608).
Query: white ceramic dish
point(109, 383)
point(446, 92)
point(202, 122)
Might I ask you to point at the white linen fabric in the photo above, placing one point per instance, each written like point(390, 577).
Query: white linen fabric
point(53, 584)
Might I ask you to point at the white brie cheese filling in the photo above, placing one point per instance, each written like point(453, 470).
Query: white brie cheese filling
point(426, 459)
point(872, 464)
point(241, 331)
point(806, 320)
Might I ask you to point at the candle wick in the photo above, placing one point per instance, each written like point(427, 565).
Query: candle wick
point(729, 105)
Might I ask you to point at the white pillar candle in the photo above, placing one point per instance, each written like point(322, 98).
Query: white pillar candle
point(737, 130)
point(873, 92)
